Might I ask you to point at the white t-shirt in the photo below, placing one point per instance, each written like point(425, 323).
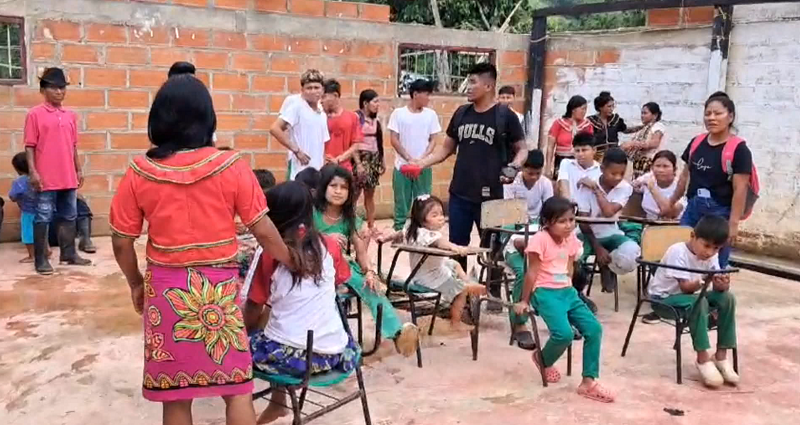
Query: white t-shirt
point(308, 130)
point(665, 282)
point(541, 191)
point(414, 131)
point(572, 172)
point(307, 305)
point(587, 203)
point(649, 204)
point(658, 127)
point(433, 272)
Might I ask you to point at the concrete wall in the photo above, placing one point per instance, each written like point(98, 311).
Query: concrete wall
point(668, 63)
point(248, 52)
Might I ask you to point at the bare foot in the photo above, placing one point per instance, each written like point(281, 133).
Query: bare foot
point(272, 413)
point(26, 260)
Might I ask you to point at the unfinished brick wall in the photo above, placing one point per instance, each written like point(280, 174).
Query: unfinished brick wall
point(249, 54)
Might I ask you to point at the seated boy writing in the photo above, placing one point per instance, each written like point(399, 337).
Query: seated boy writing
point(614, 245)
point(535, 188)
point(680, 289)
point(582, 166)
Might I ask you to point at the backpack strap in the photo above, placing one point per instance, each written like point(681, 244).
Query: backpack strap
point(501, 116)
point(728, 152)
point(458, 115)
point(696, 143)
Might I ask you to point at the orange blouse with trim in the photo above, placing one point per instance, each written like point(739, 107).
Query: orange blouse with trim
point(189, 201)
point(564, 130)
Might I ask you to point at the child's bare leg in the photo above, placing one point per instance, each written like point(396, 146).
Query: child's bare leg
point(456, 310)
point(460, 273)
point(703, 356)
point(239, 410)
point(177, 412)
point(721, 354)
point(275, 409)
point(29, 258)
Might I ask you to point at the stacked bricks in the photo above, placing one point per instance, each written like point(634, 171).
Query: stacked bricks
point(115, 71)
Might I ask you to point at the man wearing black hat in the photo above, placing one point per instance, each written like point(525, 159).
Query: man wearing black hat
point(51, 147)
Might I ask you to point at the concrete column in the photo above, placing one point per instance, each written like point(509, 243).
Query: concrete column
point(720, 43)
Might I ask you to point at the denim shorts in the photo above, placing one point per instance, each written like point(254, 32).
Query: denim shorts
point(60, 204)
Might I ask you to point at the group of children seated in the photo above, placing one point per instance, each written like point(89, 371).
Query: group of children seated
point(315, 215)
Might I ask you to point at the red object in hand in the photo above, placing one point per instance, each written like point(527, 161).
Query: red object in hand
point(411, 171)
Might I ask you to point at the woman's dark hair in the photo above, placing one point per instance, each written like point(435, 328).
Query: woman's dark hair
point(654, 109)
point(420, 208)
point(602, 100)
point(182, 117)
point(555, 207)
point(327, 174)
point(575, 102)
point(367, 96)
point(266, 180)
point(725, 101)
point(179, 68)
point(309, 177)
point(668, 155)
point(712, 228)
point(20, 163)
point(292, 212)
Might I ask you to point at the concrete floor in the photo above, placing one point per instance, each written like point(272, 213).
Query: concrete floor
point(71, 353)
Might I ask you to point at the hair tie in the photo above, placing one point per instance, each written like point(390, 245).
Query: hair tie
point(423, 198)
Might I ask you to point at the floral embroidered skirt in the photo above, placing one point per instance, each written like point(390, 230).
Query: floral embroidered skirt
point(275, 358)
point(373, 169)
point(641, 164)
point(195, 340)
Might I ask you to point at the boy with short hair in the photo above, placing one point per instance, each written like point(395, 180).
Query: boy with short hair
point(582, 166)
point(530, 184)
point(680, 289)
point(246, 241)
point(266, 180)
point(411, 129)
point(310, 178)
point(51, 147)
point(535, 188)
point(23, 194)
point(302, 126)
point(614, 245)
point(507, 95)
point(344, 128)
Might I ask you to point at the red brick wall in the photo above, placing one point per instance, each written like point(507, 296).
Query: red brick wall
point(116, 70)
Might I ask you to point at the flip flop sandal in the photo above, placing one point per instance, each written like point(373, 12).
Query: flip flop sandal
point(524, 340)
point(551, 376)
point(597, 393)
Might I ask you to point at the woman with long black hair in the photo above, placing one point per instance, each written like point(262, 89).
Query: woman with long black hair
point(371, 153)
point(563, 130)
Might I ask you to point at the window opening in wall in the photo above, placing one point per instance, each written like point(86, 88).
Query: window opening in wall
point(446, 66)
point(12, 50)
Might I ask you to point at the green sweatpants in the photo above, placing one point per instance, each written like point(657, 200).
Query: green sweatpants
point(725, 305)
point(516, 262)
point(632, 232)
point(390, 322)
point(405, 190)
point(560, 308)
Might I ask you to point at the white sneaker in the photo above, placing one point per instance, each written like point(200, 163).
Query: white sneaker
point(725, 368)
point(709, 374)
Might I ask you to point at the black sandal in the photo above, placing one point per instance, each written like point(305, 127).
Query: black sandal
point(524, 340)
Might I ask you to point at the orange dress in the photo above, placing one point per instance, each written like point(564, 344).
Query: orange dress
point(195, 341)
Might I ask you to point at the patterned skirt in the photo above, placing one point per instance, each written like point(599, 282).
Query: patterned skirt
point(372, 170)
point(641, 164)
point(195, 344)
point(278, 359)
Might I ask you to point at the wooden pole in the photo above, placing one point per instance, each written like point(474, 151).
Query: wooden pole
point(533, 93)
point(720, 43)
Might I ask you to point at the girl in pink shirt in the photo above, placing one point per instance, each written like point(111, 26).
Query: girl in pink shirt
point(548, 289)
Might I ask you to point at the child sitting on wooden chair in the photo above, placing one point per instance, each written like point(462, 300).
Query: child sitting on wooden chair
point(680, 289)
point(300, 300)
point(439, 274)
point(551, 255)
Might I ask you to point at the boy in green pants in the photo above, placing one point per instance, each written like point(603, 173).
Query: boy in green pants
point(680, 289)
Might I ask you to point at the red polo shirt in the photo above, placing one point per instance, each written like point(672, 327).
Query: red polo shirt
point(345, 130)
point(53, 133)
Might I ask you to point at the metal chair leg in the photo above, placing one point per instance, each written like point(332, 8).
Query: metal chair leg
point(363, 391)
point(538, 350)
point(616, 298)
point(473, 335)
point(630, 328)
point(296, 410)
point(414, 321)
point(360, 322)
point(736, 360)
point(569, 360)
point(678, 358)
point(435, 311)
point(377, 343)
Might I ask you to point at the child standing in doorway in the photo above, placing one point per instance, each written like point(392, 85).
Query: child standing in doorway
point(551, 258)
point(23, 194)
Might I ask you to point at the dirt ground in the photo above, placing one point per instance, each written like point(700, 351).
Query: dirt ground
point(72, 350)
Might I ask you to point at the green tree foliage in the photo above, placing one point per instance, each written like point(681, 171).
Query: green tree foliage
point(466, 14)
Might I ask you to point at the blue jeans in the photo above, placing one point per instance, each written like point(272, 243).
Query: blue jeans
point(696, 209)
point(60, 203)
point(463, 214)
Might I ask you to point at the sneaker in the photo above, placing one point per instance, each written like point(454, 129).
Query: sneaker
point(710, 374)
point(651, 318)
point(407, 340)
point(725, 368)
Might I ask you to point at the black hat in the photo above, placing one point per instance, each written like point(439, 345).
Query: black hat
point(54, 76)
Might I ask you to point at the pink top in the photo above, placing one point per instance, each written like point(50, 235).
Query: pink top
point(53, 132)
point(554, 259)
point(564, 130)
